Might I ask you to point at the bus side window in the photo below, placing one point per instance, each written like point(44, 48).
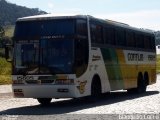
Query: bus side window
point(81, 56)
point(152, 42)
point(93, 35)
point(106, 32)
point(110, 35)
point(97, 34)
point(147, 44)
point(130, 39)
point(82, 27)
point(139, 41)
point(120, 37)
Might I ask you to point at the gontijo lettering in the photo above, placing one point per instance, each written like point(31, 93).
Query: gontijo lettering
point(135, 57)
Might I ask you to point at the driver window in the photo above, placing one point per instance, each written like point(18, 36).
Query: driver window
point(81, 56)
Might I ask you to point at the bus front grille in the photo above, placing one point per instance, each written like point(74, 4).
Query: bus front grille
point(39, 81)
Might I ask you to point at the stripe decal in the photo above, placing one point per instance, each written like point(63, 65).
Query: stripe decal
point(112, 67)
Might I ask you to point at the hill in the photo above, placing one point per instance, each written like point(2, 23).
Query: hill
point(9, 12)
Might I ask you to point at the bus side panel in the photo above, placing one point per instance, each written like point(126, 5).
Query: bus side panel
point(129, 71)
point(96, 66)
point(136, 62)
point(123, 66)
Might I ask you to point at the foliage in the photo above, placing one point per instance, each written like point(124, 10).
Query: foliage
point(2, 32)
point(3, 38)
point(5, 67)
point(9, 29)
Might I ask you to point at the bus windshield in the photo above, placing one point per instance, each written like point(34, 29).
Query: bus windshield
point(44, 47)
point(51, 56)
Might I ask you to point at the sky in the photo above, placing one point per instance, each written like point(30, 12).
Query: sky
point(137, 13)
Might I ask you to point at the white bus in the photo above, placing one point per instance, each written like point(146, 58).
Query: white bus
point(78, 56)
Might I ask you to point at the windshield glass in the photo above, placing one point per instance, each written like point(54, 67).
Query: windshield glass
point(50, 57)
point(26, 54)
point(57, 55)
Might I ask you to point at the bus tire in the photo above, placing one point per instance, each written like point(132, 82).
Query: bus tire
point(146, 78)
point(141, 83)
point(96, 89)
point(132, 90)
point(44, 101)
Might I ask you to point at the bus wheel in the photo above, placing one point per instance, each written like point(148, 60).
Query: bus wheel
point(132, 90)
point(146, 78)
point(142, 84)
point(95, 89)
point(44, 101)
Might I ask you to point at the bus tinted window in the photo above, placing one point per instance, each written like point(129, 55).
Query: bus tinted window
point(96, 34)
point(120, 37)
point(82, 27)
point(152, 42)
point(147, 42)
point(130, 39)
point(110, 35)
point(139, 41)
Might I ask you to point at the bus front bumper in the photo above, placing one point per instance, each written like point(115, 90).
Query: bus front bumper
point(44, 91)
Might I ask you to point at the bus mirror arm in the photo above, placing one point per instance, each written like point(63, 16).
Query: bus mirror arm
point(8, 51)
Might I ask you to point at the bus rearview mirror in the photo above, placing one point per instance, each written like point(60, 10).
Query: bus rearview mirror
point(8, 52)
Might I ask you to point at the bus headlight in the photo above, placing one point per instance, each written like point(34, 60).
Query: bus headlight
point(64, 81)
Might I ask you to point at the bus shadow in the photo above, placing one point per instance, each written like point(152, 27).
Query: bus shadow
point(72, 105)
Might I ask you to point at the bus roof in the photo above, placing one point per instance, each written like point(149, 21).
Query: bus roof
point(49, 17)
point(114, 23)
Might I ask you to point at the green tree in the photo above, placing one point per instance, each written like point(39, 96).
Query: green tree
point(2, 34)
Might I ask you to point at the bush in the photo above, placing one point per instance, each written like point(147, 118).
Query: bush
point(158, 63)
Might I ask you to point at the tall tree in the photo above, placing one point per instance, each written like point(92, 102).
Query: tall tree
point(2, 32)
